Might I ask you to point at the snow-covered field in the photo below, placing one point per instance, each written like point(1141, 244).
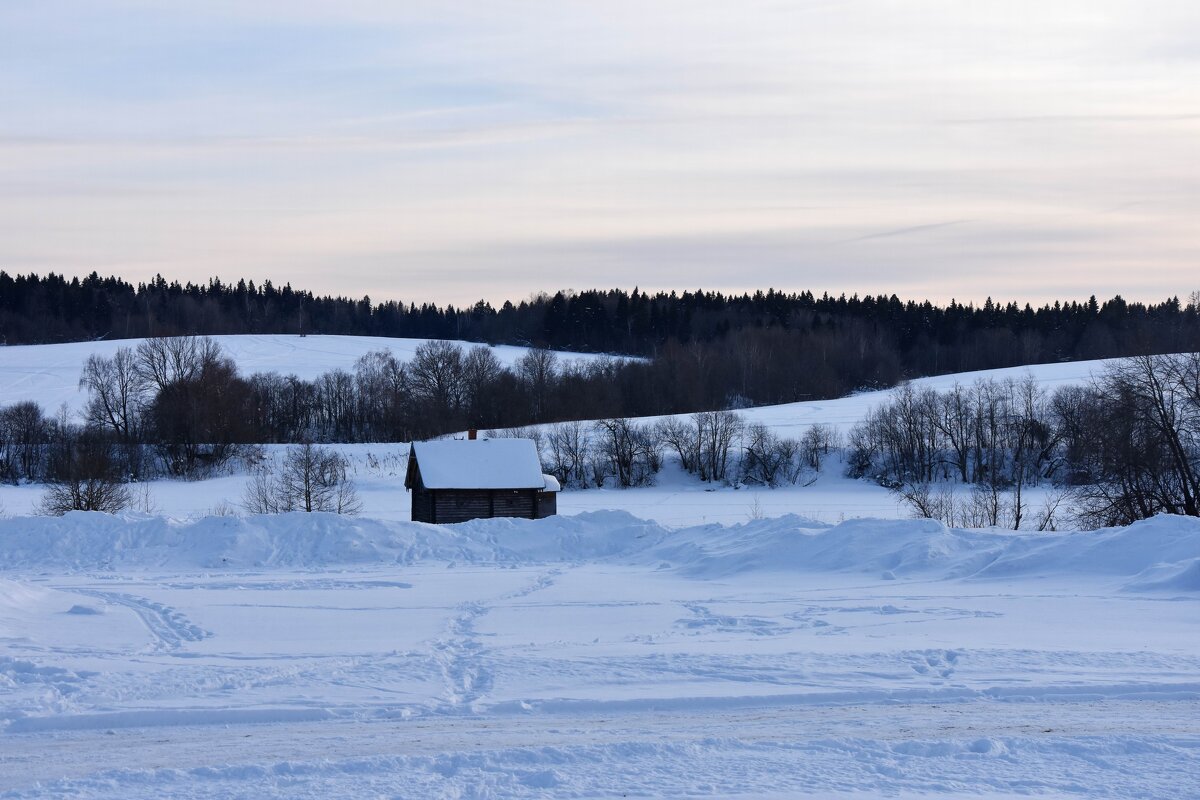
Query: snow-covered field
point(672, 641)
point(595, 656)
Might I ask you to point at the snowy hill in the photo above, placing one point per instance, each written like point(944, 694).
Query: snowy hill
point(791, 419)
point(49, 373)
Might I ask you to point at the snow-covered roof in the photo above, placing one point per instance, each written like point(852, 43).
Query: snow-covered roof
point(479, 464)
point(552, 484)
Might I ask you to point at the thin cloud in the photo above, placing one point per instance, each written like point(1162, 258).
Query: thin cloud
point(1117, 119)
point(469, 137)
point(906, 231)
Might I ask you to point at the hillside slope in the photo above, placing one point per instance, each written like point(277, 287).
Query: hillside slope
point(49, 373)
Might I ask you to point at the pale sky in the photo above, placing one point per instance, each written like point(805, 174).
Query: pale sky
point(451, 151)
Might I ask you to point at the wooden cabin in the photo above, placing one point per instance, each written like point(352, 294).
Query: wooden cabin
point(454, 480)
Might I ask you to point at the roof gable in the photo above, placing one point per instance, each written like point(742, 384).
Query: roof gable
point(479, 464)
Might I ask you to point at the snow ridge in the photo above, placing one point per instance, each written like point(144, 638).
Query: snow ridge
point(1158, 554)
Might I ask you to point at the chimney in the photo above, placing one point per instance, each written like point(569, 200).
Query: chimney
point(472, 435)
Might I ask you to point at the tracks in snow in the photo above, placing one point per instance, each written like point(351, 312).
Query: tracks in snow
point(1102, 748)
point(169, 627)
point(461, 656)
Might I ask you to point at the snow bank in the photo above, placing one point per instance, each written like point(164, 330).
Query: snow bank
point(17, 601)
point(791, 543)
point(1162, 553)
point(1183, 577)
point(90, 540)
point(1158, 554)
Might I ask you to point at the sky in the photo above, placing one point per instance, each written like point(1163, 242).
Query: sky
point(453, 151)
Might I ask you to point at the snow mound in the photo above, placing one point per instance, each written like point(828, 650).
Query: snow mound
point(19, 596)
point(884, 547)
point(1173, 577)
point(89, 540)
point(1165, 539)
point(1158, 554)
point(890, 549)
point(18, 603)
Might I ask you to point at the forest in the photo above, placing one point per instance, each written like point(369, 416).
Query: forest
point(847, 342)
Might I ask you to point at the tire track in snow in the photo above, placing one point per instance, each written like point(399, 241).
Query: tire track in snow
point(462, 658)
point(169, 627)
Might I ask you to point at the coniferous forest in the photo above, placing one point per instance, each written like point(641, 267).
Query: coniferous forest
point(875, 339)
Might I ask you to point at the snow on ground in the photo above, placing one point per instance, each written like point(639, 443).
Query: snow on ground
point(599, 655)
point(49, 373)
point(700, 641)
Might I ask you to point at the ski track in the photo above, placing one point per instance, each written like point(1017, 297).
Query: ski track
point(170, 628)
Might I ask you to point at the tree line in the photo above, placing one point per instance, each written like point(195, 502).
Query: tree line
point(1124, 447)
point(904, 338)
point(714, 446)
point(179, 406)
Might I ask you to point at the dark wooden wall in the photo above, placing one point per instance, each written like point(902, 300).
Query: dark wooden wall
point(459, 505)
point(422, 505)
point(547, 504)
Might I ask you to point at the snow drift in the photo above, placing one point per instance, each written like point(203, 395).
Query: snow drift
point(1162, 550)
point(1161, 554)
point(91, 540)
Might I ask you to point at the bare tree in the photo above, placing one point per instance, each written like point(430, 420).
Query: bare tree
point(1029, 441)
point(768, 459)
point(264, 496)
point(85, 494)
point(384, 395)
point(538, 369)
point(954, 421)
point(683, 438)
point(84, 476)
point(631, 451)
point(1047, 518)
point(200, 420)
point(927, 502)
point(337, 407)
point(816, 444)
point(1140, 436)
point(568, 445)
point(437, 375)
point(311, 478)
point(163, 361)
point(24, 432)
point(117, 393)
point(717, 431)
point(480, 370)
